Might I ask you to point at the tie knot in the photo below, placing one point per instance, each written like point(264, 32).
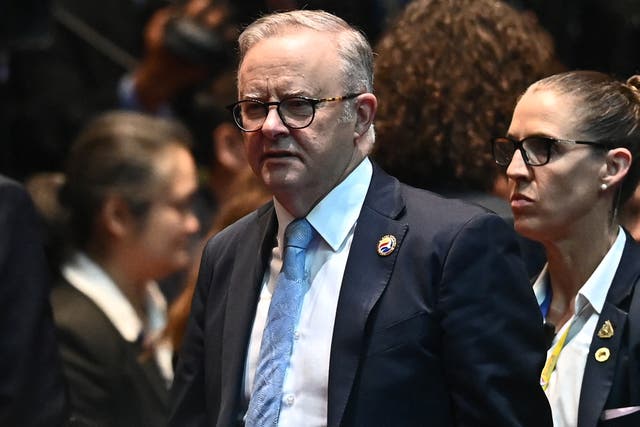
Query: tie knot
point(298, 234)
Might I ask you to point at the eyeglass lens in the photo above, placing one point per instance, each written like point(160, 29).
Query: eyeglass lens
point(295, 113)
point(536, 150)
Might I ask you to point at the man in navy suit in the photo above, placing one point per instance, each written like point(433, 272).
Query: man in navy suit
point(418, 312)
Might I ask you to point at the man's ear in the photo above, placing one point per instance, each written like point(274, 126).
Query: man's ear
point(228, 147)
point(115, 216)
point(616, 167)
point(367, 105)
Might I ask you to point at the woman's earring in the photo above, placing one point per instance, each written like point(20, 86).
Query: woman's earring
point(603, 186)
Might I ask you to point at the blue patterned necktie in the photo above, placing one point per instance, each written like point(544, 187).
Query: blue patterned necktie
point(277, 338)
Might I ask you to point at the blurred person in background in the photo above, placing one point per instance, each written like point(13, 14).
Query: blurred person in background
point(44, 188)
point(222, 163)
point(130, 180)
point(448, 73)
point(32, 392)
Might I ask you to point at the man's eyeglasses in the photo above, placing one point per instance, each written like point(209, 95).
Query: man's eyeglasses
point(296, 112)
point(535, 150)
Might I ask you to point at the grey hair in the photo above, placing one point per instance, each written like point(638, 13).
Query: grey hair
point(353, 47)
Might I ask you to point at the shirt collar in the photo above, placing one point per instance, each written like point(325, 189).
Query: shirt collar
point(541, 285)
point(87, 277)
point(595, 289)
point(336, 214)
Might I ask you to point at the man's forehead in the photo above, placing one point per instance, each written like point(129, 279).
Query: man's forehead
point(279, 86)
point(288, 62)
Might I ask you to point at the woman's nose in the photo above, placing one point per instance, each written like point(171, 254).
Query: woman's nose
point(517, 168)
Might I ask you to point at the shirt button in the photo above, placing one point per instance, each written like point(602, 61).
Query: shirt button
point(296, 335)
point(289, 399)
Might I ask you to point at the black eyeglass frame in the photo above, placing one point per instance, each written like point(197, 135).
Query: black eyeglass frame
point(312, 101)
point(518, 145)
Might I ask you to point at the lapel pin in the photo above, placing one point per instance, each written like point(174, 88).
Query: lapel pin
point(386, 245)
point(606, 331)
point(602, 354)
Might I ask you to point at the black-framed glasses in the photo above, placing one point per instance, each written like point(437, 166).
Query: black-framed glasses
point(296, 112)
point(535, 150)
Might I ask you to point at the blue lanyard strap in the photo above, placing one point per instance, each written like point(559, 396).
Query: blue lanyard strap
point(546, 303)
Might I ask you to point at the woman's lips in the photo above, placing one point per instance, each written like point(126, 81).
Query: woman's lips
point(519, 201)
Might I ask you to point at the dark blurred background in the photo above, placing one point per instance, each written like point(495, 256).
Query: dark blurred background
point(62, 61)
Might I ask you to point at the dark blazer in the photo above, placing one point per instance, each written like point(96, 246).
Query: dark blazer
point(111, 383)
point(615, 383)
point(532, 252)
point(31, 384)
point(444, 331)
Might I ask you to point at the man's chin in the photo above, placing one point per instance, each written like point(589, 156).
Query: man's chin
point(275, 178)
point(278, 161)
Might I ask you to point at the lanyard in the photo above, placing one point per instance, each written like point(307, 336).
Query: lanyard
point(577, 322)
point(572, 329)
point(551, 362)
point(546, 303)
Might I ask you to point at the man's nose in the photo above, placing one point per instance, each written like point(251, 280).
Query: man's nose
point(273, 125)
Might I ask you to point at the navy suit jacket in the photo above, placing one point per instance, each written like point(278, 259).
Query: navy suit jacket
point(32, 390)
point(444, 331)
point(615, 383)
point(112, 382)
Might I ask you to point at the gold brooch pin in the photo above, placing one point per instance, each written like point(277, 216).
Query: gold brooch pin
point(602, 354)
point(386, 245)
point(606, 331)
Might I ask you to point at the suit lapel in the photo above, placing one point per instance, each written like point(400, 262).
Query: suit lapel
point(365, 278)
point(241, 306)
point(598, 375)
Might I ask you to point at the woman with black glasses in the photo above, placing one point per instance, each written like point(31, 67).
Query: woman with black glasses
point(571, 158)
